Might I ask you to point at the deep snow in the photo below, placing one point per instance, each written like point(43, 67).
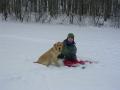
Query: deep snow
point(21, 44)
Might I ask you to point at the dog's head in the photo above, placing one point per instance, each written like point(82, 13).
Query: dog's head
point(58, 46)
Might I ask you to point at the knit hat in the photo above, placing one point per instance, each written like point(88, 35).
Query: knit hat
point(70, 35)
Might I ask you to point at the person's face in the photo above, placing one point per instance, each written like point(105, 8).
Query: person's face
point(70, 39)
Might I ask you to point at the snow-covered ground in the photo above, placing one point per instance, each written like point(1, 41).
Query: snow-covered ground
point(21, 44)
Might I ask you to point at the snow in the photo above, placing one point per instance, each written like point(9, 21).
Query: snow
point(22, 43)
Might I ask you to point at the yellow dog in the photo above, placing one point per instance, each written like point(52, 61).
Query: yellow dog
point(50, 57)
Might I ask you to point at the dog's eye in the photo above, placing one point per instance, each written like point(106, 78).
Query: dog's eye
point(60, 45)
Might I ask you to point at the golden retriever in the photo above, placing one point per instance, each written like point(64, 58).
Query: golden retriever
point(50, 57)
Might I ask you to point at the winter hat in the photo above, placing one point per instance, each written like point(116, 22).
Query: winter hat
point(70, 35)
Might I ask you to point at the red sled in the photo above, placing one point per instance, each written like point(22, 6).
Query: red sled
point(74, 63)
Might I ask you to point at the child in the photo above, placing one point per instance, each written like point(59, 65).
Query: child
point(69, 51)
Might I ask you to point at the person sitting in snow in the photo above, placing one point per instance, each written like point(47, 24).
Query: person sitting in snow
point(69, 51)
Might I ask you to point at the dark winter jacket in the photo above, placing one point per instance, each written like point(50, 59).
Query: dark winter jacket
point(69, 50)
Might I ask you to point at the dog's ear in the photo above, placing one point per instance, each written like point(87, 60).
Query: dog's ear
point(55, 46)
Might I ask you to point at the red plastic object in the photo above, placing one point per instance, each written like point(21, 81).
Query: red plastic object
point(72, 63)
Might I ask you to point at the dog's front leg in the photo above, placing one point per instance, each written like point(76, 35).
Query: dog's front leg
point(49, 62)
point(56, 62)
